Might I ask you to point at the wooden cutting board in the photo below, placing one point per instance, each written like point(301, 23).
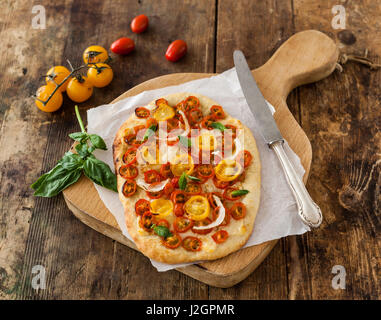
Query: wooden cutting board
point(305, 57)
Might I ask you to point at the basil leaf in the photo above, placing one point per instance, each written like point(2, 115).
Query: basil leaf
point(71, 161)
point(97, 142)
point(193, 178)
point(183, 181)
point(100, 173)
point(35, 185)
point(237, 193)
point(218, 125)
point(185, 141)
point(82, 149)
point(150, 131)
point(162, 231)
point(79, 136)
point(56, 180)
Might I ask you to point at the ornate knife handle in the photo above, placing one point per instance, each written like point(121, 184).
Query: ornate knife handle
point(308, 210)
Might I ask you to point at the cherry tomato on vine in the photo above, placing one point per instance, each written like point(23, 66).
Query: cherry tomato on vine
point(56, 75)
point(123, 46)
point(79, 89)
point(55, 101)
point(95, 54)
point(100, 75)
point(139, 24)
point(176, 50)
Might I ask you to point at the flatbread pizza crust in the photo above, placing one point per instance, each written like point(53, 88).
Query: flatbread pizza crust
point(239, 230)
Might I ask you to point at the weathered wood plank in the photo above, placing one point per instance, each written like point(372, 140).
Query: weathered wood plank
point(342, 119)
point(81, 263)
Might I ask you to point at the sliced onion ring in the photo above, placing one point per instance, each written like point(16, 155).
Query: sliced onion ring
point(219, 220)
point(147, 187)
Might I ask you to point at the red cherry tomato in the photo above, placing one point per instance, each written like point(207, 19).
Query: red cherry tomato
point(139, 24)
point(220, 236)
point(123, 46)
point(176, 50)
point(141, 206)
point(178, 209)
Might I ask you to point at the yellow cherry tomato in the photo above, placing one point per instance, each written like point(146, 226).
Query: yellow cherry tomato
point(228, 170)
point(55, 101)
point(100, 75)
point(206, 141)
point(163, 112)
point(182, 163)
point(161, 208)
point(95, 54)
point(197, 208)
point(79, 89)
point(56, 75)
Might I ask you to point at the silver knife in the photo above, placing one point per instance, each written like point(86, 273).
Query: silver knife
point(308, 210)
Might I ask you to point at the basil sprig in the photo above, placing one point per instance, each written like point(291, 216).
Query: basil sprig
point(218, 125)
point(150, 132)
point(238, 193)
point(183, 180)
point(161, 231)
point(69, 169)
point(186, 142)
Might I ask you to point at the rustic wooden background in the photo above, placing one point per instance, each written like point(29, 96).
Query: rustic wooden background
point(341, 115)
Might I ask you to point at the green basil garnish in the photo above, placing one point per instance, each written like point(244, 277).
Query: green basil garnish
point(218, 125)
point(69, 169)
point(183, 181)
point(161, 231)
point(238, 193)
point(186, 142)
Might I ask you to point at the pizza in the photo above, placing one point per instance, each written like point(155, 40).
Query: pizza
point(188, 177)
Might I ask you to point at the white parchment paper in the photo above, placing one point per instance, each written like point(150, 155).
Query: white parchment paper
point(277, 216)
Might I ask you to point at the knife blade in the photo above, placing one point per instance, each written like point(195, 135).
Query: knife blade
point(309, 212)
point(254, 98)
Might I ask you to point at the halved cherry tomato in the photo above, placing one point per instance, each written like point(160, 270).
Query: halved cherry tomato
point(175, 182)
point(151, 122)
point(207, 121)
point(152, 176)
point(233, 129)
point(142, 112)
point(220, 184)
point(160, 101)
point(139, 24)
point(128, 171)
point(205, 171)
point(141, 206)
point(139, 128)
point(191, 102)
point(178, 209)
point(172, 142)
point(202, 223)
point(228, 196)
point(129, 188)
point(130, 156)
point(210, 197)
point(154, 195)
point(182, 224)
point(172, 242)
point(163, 223)
point(192, 244)
point(123, 46)
point(218, 112)
point(244, 158)
point(168, 189)
point(172, 123)
point(129, 138)
point(238, 211)
point(146, 221)
point(192, 189)
point(176, 50)
point(178, 196)
point(220, 236)
point(194, 116)
point(165, 170)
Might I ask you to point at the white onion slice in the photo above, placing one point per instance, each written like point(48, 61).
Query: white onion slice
point(219, 220)
point(147, 187)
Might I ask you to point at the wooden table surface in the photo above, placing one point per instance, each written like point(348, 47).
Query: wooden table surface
point(341, 116)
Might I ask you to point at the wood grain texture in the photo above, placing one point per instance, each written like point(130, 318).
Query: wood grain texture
point(340, 116)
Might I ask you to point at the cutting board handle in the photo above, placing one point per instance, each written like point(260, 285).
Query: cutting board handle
point(306, 57)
